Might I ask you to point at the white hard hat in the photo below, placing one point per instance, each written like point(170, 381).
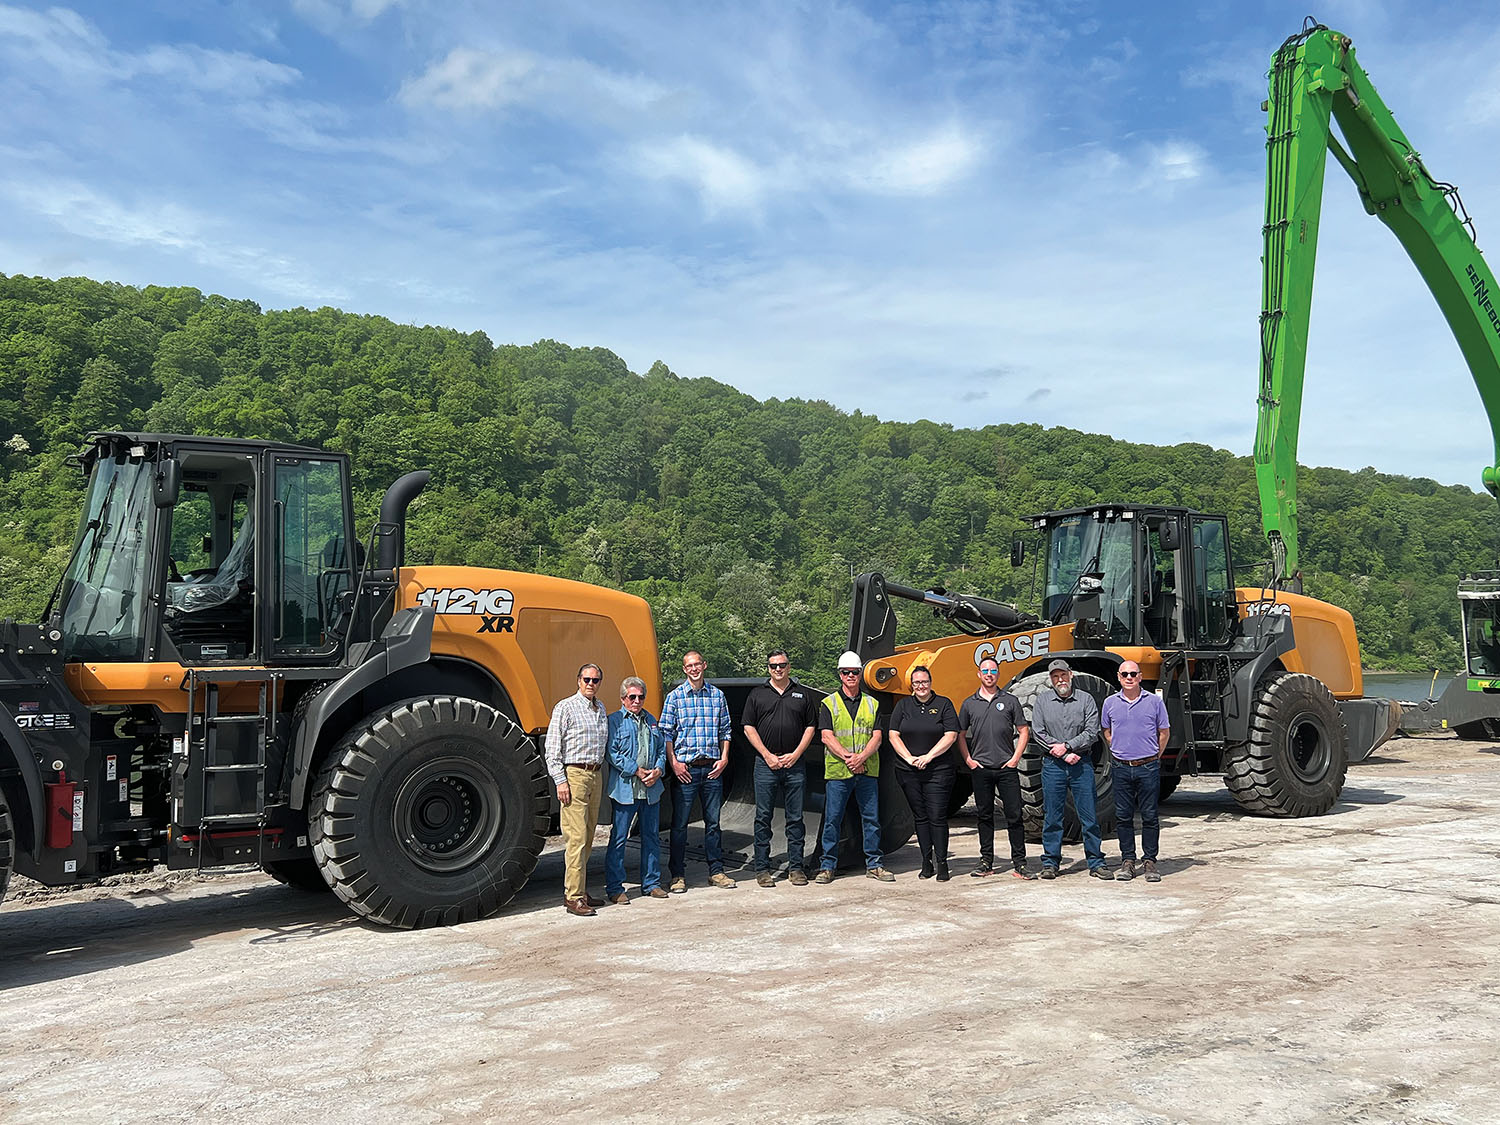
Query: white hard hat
point(850, 659)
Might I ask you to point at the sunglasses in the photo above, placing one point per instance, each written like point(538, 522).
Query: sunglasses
point(778, 667)
point(590, 679)
point(1130, 675)
point(989, 671)
point(848, 671)
point(635, 698)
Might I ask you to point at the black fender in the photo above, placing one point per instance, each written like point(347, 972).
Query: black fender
point(26, 798)
point(1272, 633)
point(1079, 659)
point(406, 641)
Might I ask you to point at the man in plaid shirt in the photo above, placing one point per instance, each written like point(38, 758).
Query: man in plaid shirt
point(575, 755)
point(695, 723)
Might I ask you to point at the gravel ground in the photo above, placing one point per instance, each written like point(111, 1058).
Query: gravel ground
point(1337, 969)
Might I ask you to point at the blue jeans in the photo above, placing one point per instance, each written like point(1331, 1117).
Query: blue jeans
point(698, 786)
point(614, 855)
point(790, 785)
point(866, 793)
point(1137, 790)
point(1058, 779)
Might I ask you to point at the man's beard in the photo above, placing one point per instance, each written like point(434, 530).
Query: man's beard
point(1063, 690)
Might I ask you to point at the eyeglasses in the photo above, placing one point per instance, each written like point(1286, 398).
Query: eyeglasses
point(778, 667)
point(635, 698)
point(589, 679)
point(1130, 675)
point(921, 683)
point(848, 671)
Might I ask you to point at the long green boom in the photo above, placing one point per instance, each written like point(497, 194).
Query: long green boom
point(1314, 80)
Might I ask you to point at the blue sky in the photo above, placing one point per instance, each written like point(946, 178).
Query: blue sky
point(973, 212)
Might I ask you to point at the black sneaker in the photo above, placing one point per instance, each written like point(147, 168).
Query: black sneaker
point(981, 871)
point(1048, 871)
point(1020, 872)
point(1102, 872)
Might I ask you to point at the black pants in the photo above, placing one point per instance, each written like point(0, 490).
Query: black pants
point(1008, 782)
point(927, 792)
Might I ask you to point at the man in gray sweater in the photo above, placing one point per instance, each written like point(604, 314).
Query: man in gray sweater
point(1065, 726)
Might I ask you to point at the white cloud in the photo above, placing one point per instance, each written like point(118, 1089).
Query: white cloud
point(83, 212)
point(1176, 160)
point(66, 43)
point(925, 166)
point(221, 72)
point(468, 78)
point(724, 179)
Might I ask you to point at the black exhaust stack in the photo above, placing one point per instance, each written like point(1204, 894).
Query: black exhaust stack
point(392, 551)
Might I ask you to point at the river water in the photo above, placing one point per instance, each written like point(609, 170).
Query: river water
point(1408, 686)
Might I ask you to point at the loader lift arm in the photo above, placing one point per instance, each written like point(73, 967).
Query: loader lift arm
point(1315, 80)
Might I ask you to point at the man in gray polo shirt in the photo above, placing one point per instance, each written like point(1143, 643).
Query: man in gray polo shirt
point(1065, 725)
point(1137, 728)
point(992, 736)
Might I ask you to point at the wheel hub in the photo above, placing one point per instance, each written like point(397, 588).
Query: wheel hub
point(447, 814)
point(1308, 749)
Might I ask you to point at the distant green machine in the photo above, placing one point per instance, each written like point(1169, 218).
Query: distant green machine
point(1314, 81)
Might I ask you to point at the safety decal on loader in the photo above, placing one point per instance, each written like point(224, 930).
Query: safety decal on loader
point(492, 607)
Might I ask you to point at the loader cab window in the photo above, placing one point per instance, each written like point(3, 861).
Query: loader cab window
point(1085, 547)
point(210, 588)
point(1481, 618)
point(312, 567)
point(105, 588)
point(1162, 614)
point(1213, 592)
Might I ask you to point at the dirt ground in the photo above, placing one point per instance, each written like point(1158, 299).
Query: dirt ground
point(1337, 969)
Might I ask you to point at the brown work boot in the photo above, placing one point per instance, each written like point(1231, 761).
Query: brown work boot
point(798, 877)
point(765, 879)
point(656, 892)
point(719, 879)
point(823, 876)
point(621, 899)
point(1126, 871)
point(882, 874)
point(1152, 874)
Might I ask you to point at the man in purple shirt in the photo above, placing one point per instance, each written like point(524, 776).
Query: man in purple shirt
point(1136, 727)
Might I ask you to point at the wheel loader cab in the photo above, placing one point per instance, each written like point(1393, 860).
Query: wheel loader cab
point(1116, 571)
point(204, 551)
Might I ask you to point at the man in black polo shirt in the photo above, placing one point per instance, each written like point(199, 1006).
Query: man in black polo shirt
point(992, 736)
point(780, 719)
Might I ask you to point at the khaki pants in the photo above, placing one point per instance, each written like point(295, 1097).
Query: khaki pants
point(578, 820)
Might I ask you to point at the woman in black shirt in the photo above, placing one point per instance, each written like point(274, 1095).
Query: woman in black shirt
point(923, 728)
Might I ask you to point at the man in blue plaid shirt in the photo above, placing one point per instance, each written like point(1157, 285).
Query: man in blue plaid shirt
point(695, 723)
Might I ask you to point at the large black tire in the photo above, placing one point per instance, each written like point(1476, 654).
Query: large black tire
point(430, 813)
point(1025, 690)
point(1295, 761)
point(7, 845)
point(303, 874)
point(1169, 783)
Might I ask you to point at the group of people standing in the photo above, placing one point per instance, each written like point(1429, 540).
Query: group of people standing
point(782, 719)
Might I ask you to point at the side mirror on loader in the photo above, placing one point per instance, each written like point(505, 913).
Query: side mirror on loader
point(1017, 552)
point(1170, 534)
point(167, 483)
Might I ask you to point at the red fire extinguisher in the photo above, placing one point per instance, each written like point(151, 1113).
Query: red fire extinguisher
point(60, 811)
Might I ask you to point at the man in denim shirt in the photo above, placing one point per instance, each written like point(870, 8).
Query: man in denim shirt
point(695, 723)
point(1065, 726)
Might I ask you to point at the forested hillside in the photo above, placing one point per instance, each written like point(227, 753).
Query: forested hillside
point(740, 521)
